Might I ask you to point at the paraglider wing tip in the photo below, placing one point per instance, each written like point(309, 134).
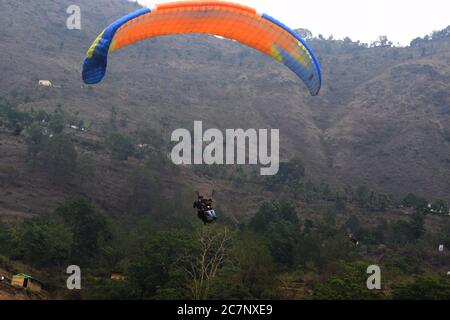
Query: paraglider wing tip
point(94, 69)
point(315, 93)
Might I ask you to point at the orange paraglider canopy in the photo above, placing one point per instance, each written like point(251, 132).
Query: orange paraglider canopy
point(224, 19)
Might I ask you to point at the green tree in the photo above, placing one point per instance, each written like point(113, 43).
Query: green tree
point(440, 207)
point(153, 270)
point(379, 234)
point(307, 249)
point(326, 192)
point(400, 232)
point(308, 226)
point(417, 225)
point(57, 122)
point(5, 239)
point(86, 168)
point(289, 175)
point(12, 118)
point(349, 283)
point(59, 158)
point(282, 237)
point(384, 201)
point(45, 243)
point(291, 172)
point(335, 247)
point(266, 214)
point(151, 137)
point(89, 228)
point(353, 224)
point(40, 116)
point(274, 211)
point(406, 261)
point(35, 140)
point(143, 192)
point(121, 146)
point(286, 211)
point(362, 195)
point(415, 201)
point(228, 286)
point(255, 267)
point(429, 287)
point(341, 203)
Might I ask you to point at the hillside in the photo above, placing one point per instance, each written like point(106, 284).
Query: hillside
point(381, 119)
point(378, 130)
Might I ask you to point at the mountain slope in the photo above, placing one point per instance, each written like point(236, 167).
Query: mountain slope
point(380, 120)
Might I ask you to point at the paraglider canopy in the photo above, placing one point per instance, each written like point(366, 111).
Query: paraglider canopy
point(224, 19)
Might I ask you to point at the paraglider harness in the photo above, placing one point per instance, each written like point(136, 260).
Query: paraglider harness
point(353, 240)
point(205, 211)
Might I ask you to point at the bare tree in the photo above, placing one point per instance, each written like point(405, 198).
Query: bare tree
point(305, 33)
point(382, 41)
point(203, 265)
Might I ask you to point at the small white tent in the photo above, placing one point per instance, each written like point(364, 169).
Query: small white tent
point(45, 83)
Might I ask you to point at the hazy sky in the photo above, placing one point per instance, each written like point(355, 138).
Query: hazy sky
point(365, 20)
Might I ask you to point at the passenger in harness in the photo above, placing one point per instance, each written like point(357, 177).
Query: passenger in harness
point(205, 211)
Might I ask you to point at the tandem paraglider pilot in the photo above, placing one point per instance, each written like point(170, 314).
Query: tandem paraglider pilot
point(205, 211)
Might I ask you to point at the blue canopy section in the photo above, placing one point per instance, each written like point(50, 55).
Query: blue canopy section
point(313, 80)
point(94, 67)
